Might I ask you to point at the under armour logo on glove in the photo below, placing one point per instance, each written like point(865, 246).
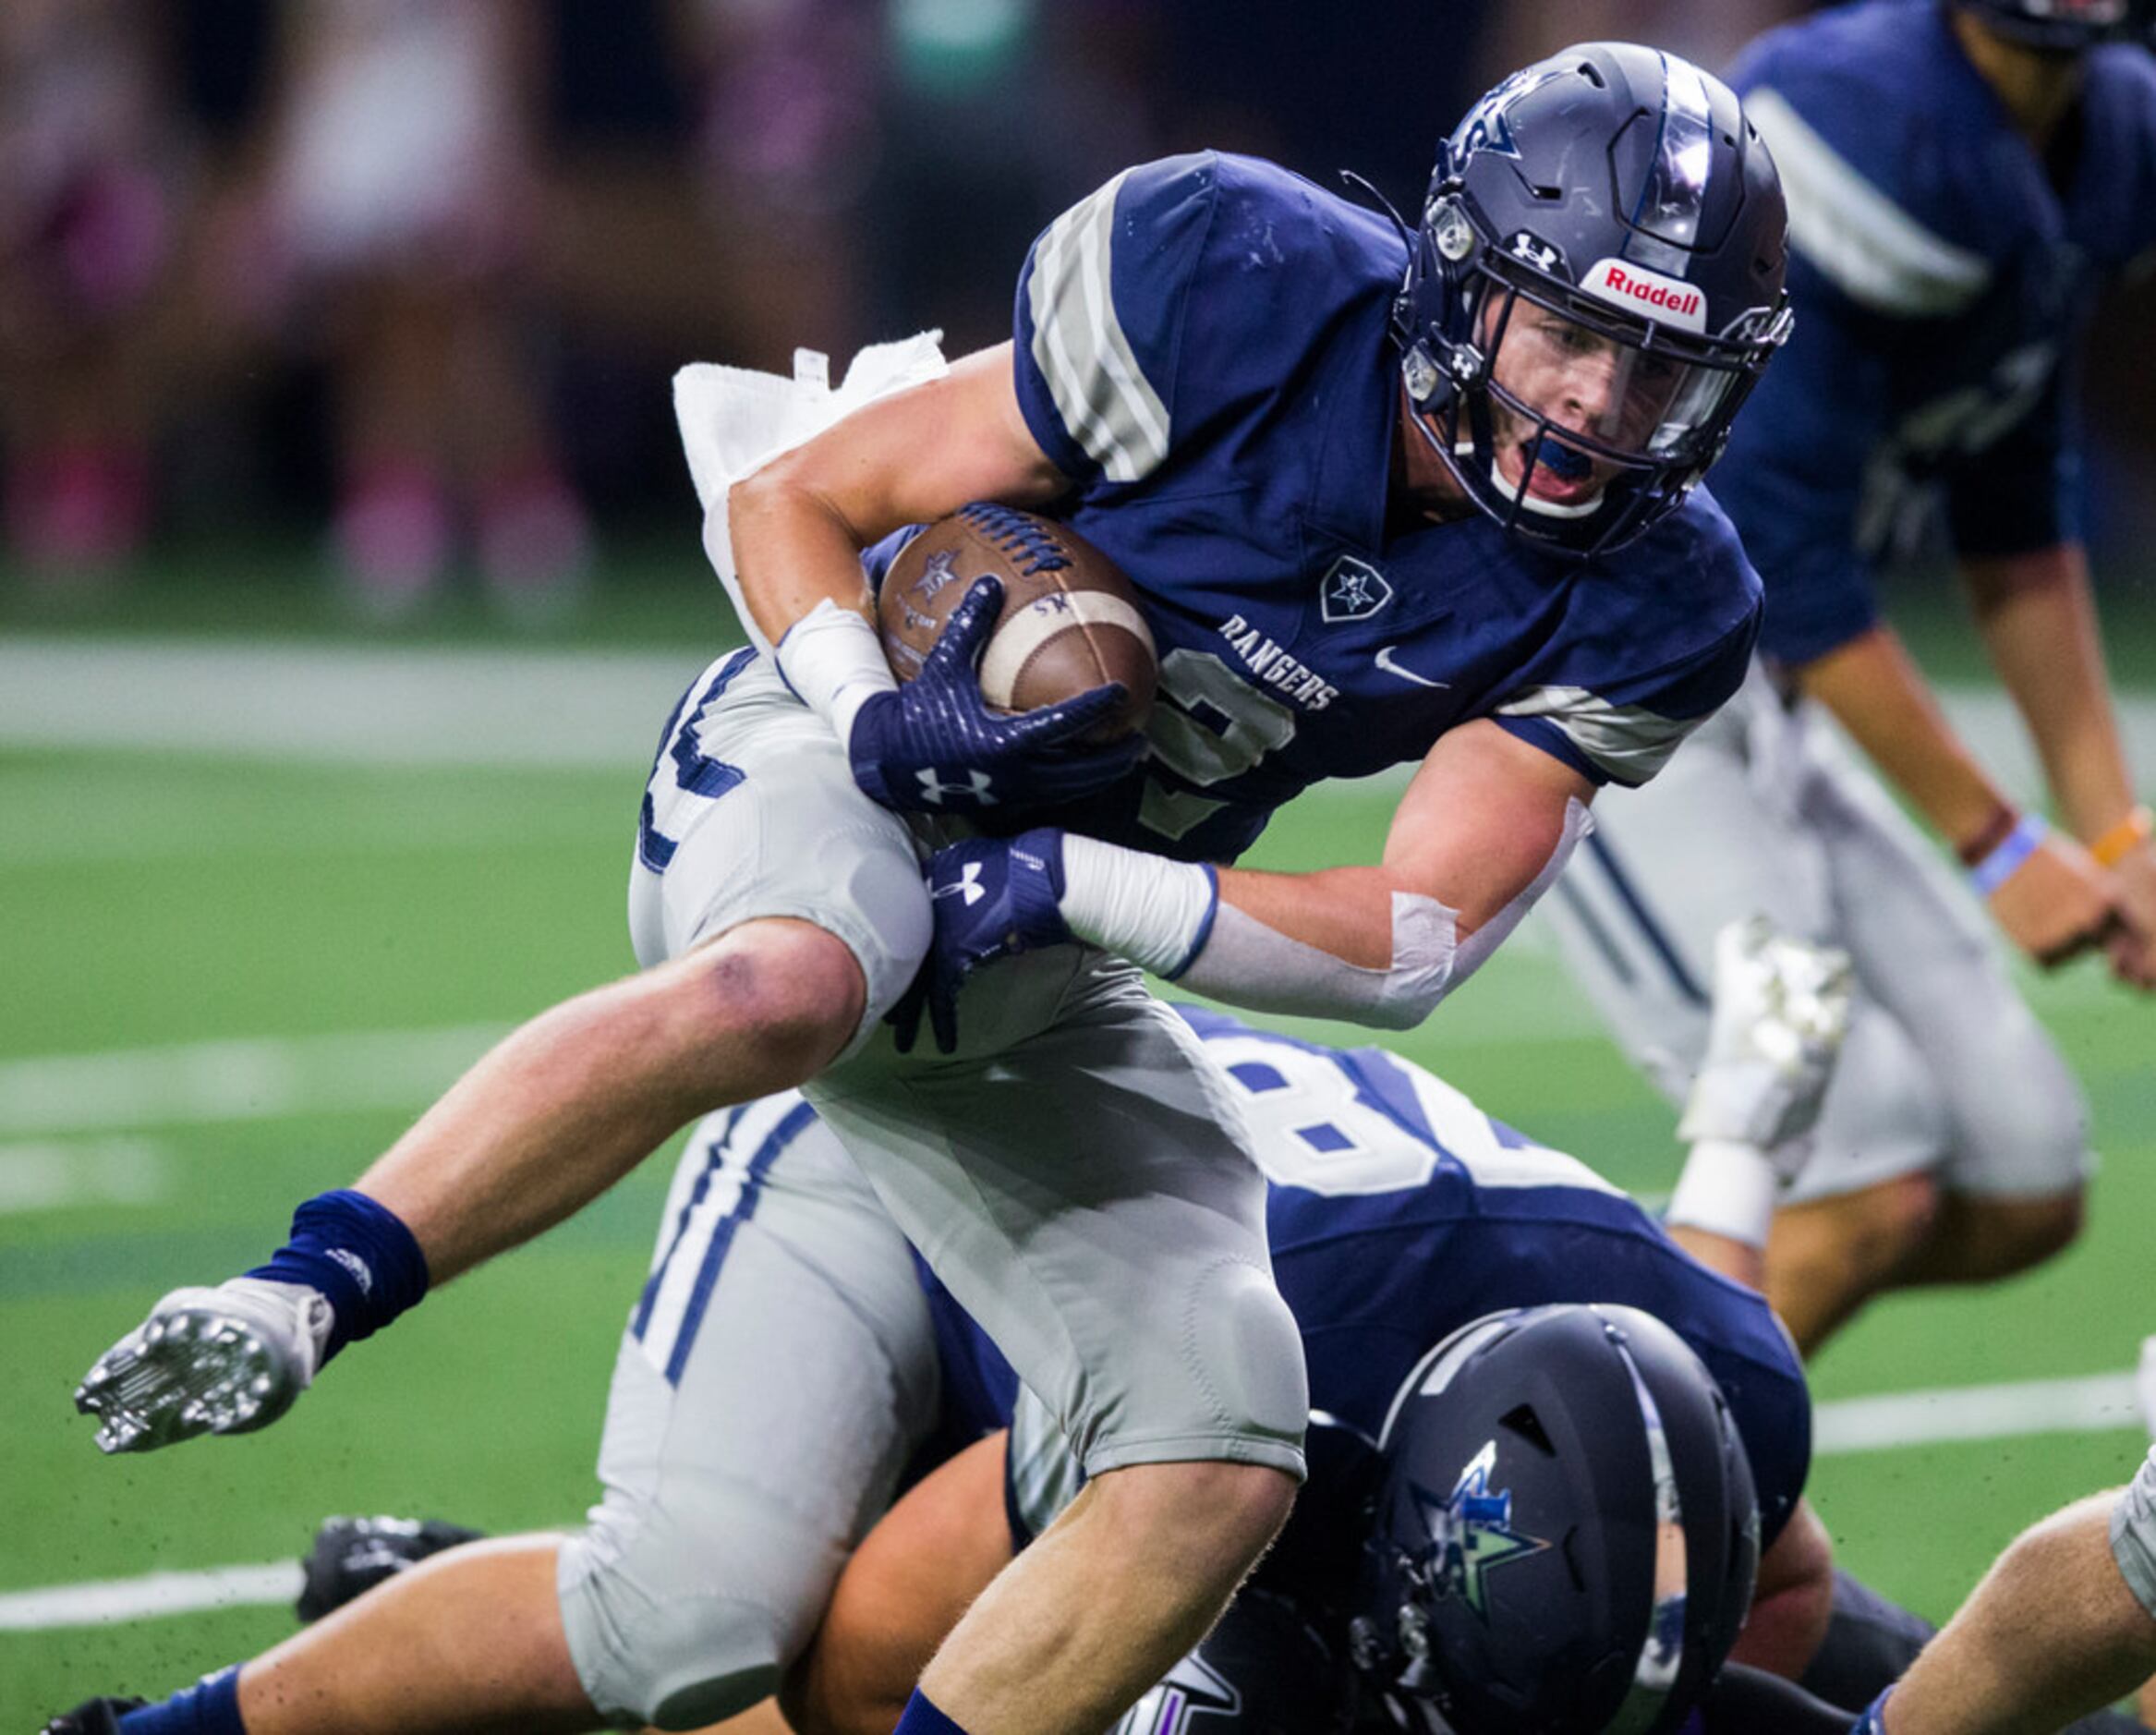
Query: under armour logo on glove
point(939, 719)
point(993, 898)
point(968, 885)
point(979, 790)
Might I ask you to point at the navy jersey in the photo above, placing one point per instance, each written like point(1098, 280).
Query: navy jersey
point(1399, 1212)
point(1202, 347)
point(1940, 271)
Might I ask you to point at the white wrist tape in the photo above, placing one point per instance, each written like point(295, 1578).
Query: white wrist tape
point(833, 660)
point(1154, 912)
point(1727, 1188)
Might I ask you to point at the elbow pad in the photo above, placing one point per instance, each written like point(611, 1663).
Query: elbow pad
point(1245, 962)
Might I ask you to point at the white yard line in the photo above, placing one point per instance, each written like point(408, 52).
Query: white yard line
point(437, 705)
point(107, 1600)
point(50, 1174)
point(2103, 1403)
point(2090, 1405)
point(257, 1079)
point(360, 705)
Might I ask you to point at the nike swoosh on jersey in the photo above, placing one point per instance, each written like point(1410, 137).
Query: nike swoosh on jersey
point(1384, 661)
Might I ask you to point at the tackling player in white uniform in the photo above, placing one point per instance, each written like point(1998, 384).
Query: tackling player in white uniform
point(784, 1366)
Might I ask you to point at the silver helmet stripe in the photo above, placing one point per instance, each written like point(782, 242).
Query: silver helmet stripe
point(1665, 223)
point(1662, 1656)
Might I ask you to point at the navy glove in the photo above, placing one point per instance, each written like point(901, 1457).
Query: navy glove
point(993, 897)
point(935, 746)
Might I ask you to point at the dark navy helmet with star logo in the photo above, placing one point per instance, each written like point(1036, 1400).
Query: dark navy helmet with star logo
point(1566, 1536)
point(1593, 289)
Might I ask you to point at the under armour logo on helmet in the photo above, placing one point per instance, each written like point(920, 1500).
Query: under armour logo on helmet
point(979, 785)
point(1535, 250)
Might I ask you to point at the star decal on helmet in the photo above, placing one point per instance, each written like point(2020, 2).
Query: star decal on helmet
point(1471, 1534)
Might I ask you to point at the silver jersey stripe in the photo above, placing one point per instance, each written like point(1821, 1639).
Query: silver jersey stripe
point(1103, 396)
point(1629, 742)
point(693, 1220)
point(1869, 247)
point(1045, 1474)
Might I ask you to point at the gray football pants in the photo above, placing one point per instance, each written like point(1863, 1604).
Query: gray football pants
point(1945, 1070)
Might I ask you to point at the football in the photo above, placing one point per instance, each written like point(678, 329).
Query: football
point(1069, 621)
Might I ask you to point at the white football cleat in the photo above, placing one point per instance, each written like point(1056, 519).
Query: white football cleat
point(1781, 1008)
point(207, 1361)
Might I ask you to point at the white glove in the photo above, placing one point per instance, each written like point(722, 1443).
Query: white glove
point(208, 1360)
point(1781, 1008)
point(734, 420)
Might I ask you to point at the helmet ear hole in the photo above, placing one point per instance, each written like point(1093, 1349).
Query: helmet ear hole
point(1523, 1422)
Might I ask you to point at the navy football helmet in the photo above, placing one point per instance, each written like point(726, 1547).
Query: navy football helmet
point(1593, 291)
point(1567, 1533)
point(2067, 27)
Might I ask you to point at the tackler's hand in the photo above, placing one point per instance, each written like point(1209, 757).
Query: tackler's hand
point(934, 746)
point(1781, 1009)
point(992, 898)
point(207, 1361)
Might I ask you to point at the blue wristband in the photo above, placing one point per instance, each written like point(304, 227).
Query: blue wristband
point(1873, 1721)
point(358, 1253)
point(2006, 861)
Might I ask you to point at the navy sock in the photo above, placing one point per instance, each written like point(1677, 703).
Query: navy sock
point(209, 1707)
point(921, 1718)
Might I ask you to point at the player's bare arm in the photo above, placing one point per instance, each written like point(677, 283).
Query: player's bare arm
point(792, 539)
point(2055, 902)
point(1485, 825)
point(800, 523)
point(1792, 1602)
point(2037, 615)
point(1485, 820)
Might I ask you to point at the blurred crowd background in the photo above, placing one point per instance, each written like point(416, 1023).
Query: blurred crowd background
point(407, 278)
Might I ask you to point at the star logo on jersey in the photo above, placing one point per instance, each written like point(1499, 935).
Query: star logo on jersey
point(1471, 1534)
point(977, 784)
point(1191, 1690)
point(1353, 590)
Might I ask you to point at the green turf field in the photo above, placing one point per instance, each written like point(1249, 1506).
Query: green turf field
point(277, 911)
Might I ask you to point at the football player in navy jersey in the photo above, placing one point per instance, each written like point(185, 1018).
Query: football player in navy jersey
point(1962, 179)
point(1388, 496)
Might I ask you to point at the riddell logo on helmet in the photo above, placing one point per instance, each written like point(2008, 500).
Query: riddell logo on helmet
point(1648, 293)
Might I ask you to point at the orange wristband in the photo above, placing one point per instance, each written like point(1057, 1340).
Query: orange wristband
point(2112, 848)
